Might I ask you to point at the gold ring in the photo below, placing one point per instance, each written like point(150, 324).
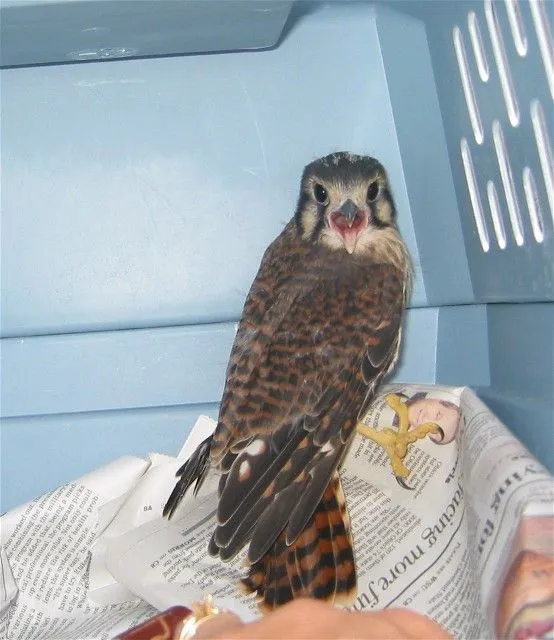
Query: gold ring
point(201, 612)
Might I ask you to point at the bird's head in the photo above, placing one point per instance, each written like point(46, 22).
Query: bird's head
point(345, 203)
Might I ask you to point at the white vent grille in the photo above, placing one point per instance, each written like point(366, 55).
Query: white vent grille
point(497, 220)
point(512, 189)
point(478, 48)
point(501, 60)
point(544, 37)
point(516, 25)
point(471, 180)
point(467, 86)
point(508, 181)
point(533, 204)
point(542, 139)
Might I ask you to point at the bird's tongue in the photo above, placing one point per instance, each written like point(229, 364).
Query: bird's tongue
point(349, 229)
point(344, 225)
point(350, 236)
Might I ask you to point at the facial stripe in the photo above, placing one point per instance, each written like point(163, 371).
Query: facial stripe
point(320, 222)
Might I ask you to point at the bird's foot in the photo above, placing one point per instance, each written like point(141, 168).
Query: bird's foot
point(396, 442)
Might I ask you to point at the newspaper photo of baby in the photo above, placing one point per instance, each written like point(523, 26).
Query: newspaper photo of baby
point(426, 407)
point(407, 419)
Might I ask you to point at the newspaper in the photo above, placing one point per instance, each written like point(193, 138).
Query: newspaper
point(469, 539)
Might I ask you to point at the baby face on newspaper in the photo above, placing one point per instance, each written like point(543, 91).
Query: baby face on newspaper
point(437, 405)
point(443, 412)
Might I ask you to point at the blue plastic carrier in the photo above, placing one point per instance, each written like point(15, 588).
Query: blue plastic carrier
point(151, 149)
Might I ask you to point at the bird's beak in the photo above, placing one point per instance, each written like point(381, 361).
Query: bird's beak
point(349, 211)
point(349, 221)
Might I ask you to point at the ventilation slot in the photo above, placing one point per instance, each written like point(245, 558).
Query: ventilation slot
point(545, 152)
point(477, 44)
point(507, 182)
point(544, 37)
point(533, 205)
point(502, 64)
point(496, 215)
point(467, 86)
point(516, 25)
point(474, 195)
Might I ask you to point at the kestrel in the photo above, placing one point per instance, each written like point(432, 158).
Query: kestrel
point(320, 328)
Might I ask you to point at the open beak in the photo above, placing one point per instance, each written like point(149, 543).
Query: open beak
point(349, 221)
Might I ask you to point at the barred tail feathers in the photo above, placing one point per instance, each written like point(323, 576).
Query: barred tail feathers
point(318, 564)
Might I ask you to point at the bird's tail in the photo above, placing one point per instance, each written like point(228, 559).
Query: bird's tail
point(318, 564)
point(194, 470)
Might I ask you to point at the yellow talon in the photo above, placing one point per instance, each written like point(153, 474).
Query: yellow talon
point(396, 442)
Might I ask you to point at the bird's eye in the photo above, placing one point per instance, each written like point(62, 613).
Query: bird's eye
point(321, 194)
point(373, 191)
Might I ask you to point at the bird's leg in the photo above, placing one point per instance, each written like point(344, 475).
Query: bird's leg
point(396, 442)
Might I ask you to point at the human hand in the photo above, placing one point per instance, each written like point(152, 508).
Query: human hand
point(305, 619)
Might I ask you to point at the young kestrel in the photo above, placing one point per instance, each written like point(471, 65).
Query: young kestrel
point(320, 328)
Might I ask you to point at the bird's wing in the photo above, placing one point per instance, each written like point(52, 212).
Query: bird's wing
point(296, 380)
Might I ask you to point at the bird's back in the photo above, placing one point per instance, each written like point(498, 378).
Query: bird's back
point(295, 386)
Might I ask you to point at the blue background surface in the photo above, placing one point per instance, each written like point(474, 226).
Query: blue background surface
point(139, 194)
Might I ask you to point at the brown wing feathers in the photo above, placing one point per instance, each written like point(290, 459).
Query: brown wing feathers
point(193, 471)
point(278, 483)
